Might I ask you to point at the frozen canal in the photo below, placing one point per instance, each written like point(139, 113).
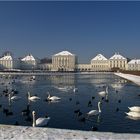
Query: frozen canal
point(70, 112)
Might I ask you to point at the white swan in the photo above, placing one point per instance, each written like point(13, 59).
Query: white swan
point(103, 93)
point(95, 112)
point(39, 121)
point(14, 98)
point(134, 108)
point(52, 98)
point(32, 98)
point(133, 114)
point(75, 90)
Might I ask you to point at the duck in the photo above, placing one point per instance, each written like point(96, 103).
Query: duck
point(94, 128)
point(89, 104)
point(28, 119)
point(33, 98)
point(52, 98)
point(82, 119)
point(77, 110)
point(95, 112)
point(134, 108)
point(103, 93)
point(117, 109)
point(40, 121)
point(26, 111)
point(9, 113)
point(133, 114)
point(16, 123)
point(79, 113)
point(77, 102)
point(5, 110)
point(14, 91)
point(119, 101)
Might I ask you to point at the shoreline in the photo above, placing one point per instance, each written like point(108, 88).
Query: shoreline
point(50, 73)
point(43, 133)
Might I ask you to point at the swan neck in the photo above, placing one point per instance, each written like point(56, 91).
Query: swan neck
point(34, 120)
point(106, 89)
point(49, 95)
point(29, 95)
point(9, 96)
point(99, 107)
point(106, 96)
point(9, 100)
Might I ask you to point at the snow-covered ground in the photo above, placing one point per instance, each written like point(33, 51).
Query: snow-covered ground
point(133, 78)
point(8, 132)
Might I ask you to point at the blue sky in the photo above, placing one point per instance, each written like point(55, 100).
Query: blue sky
point(83, 28)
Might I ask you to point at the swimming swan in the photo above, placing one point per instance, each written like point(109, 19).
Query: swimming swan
point(39, 121)
point(14, 98)
point(133, 114)
point(95, 112)
point(134, 108)
point(103, 93)
point(32, 98)
point(52, 98)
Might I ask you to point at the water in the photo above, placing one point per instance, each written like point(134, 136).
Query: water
point(111, 119)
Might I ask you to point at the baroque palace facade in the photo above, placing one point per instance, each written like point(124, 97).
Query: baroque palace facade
point(66, 61)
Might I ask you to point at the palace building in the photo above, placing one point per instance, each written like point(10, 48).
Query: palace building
point(28, 63)
point(117, 61)
point(64, 61)
point(134, 65)
point(99, 63)
point(8, 62)
point(83, 67)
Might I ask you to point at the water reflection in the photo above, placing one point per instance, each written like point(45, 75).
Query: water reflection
point(63, 82)
point(27, 80)
point(133, 118)
point(119, 84)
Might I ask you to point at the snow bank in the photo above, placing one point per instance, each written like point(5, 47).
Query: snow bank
point(133, 78)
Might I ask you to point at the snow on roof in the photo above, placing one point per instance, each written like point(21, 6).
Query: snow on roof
point(6, 57)
point(134, 61)
point(28, 58)
point(65, 53)
point(117, 56)
point(99, 57)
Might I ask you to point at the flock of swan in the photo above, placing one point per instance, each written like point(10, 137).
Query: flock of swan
point(134, 111)
point(40, 121)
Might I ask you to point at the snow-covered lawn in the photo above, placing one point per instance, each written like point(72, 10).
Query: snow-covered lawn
point(133, 78)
